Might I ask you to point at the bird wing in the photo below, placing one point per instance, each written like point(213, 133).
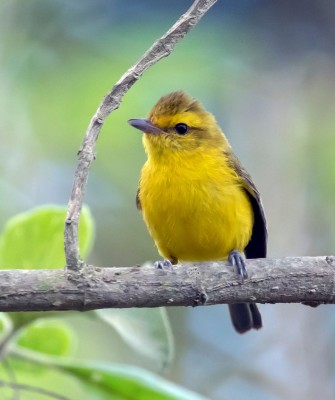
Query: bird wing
point(138, 201)
point(256, 248)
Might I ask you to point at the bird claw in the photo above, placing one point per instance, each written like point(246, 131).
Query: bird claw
point(236, 260)
point(165, 264)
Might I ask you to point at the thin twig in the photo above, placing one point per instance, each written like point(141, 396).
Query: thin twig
point(309, 280)
point(161, 48)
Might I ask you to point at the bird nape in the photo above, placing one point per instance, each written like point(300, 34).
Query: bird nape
point(198, 202)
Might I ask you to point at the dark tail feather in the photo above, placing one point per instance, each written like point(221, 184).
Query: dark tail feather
point(245, 316)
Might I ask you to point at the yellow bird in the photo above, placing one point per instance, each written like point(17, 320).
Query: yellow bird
point(197, 200)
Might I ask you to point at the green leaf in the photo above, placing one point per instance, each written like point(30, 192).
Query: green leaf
point(146, 330)
point(19, 319)
point(107, 381)
point(130, 383)
point(34, 239)
point(48, 336)
point(39, 382)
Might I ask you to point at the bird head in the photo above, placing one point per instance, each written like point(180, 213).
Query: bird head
point(179, 123)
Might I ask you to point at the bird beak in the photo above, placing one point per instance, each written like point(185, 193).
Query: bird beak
point(145, 126)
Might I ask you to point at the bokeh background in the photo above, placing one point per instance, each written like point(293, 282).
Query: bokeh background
point(266, 69)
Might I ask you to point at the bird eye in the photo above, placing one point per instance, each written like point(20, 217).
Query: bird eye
point(181, 129)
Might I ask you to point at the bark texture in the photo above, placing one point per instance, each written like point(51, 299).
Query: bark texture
point(287, 280)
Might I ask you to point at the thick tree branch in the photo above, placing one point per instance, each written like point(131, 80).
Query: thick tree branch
point(287, 280)
point(161, 48)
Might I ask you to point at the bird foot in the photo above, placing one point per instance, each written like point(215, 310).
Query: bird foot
point(165, 264)
point(236, 260)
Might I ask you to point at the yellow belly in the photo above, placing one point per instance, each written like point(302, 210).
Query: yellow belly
point(195, 211)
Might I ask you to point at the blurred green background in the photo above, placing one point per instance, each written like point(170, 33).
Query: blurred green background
point(266, 70)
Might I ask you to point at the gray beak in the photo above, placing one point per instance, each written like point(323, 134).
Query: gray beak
point(144, 125)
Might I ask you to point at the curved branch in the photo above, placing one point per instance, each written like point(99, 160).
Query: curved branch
point(309, 280)
point(161, 48)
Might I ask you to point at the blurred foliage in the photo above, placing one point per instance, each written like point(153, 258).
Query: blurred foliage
point(35, 239)
point(50, 342)
point(146, 330)
point(48, 336)
point(266, 70)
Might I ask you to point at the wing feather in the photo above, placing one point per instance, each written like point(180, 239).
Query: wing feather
point(138, 201)
point(257, 246)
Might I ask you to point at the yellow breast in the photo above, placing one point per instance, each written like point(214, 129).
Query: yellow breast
point(194, 206)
